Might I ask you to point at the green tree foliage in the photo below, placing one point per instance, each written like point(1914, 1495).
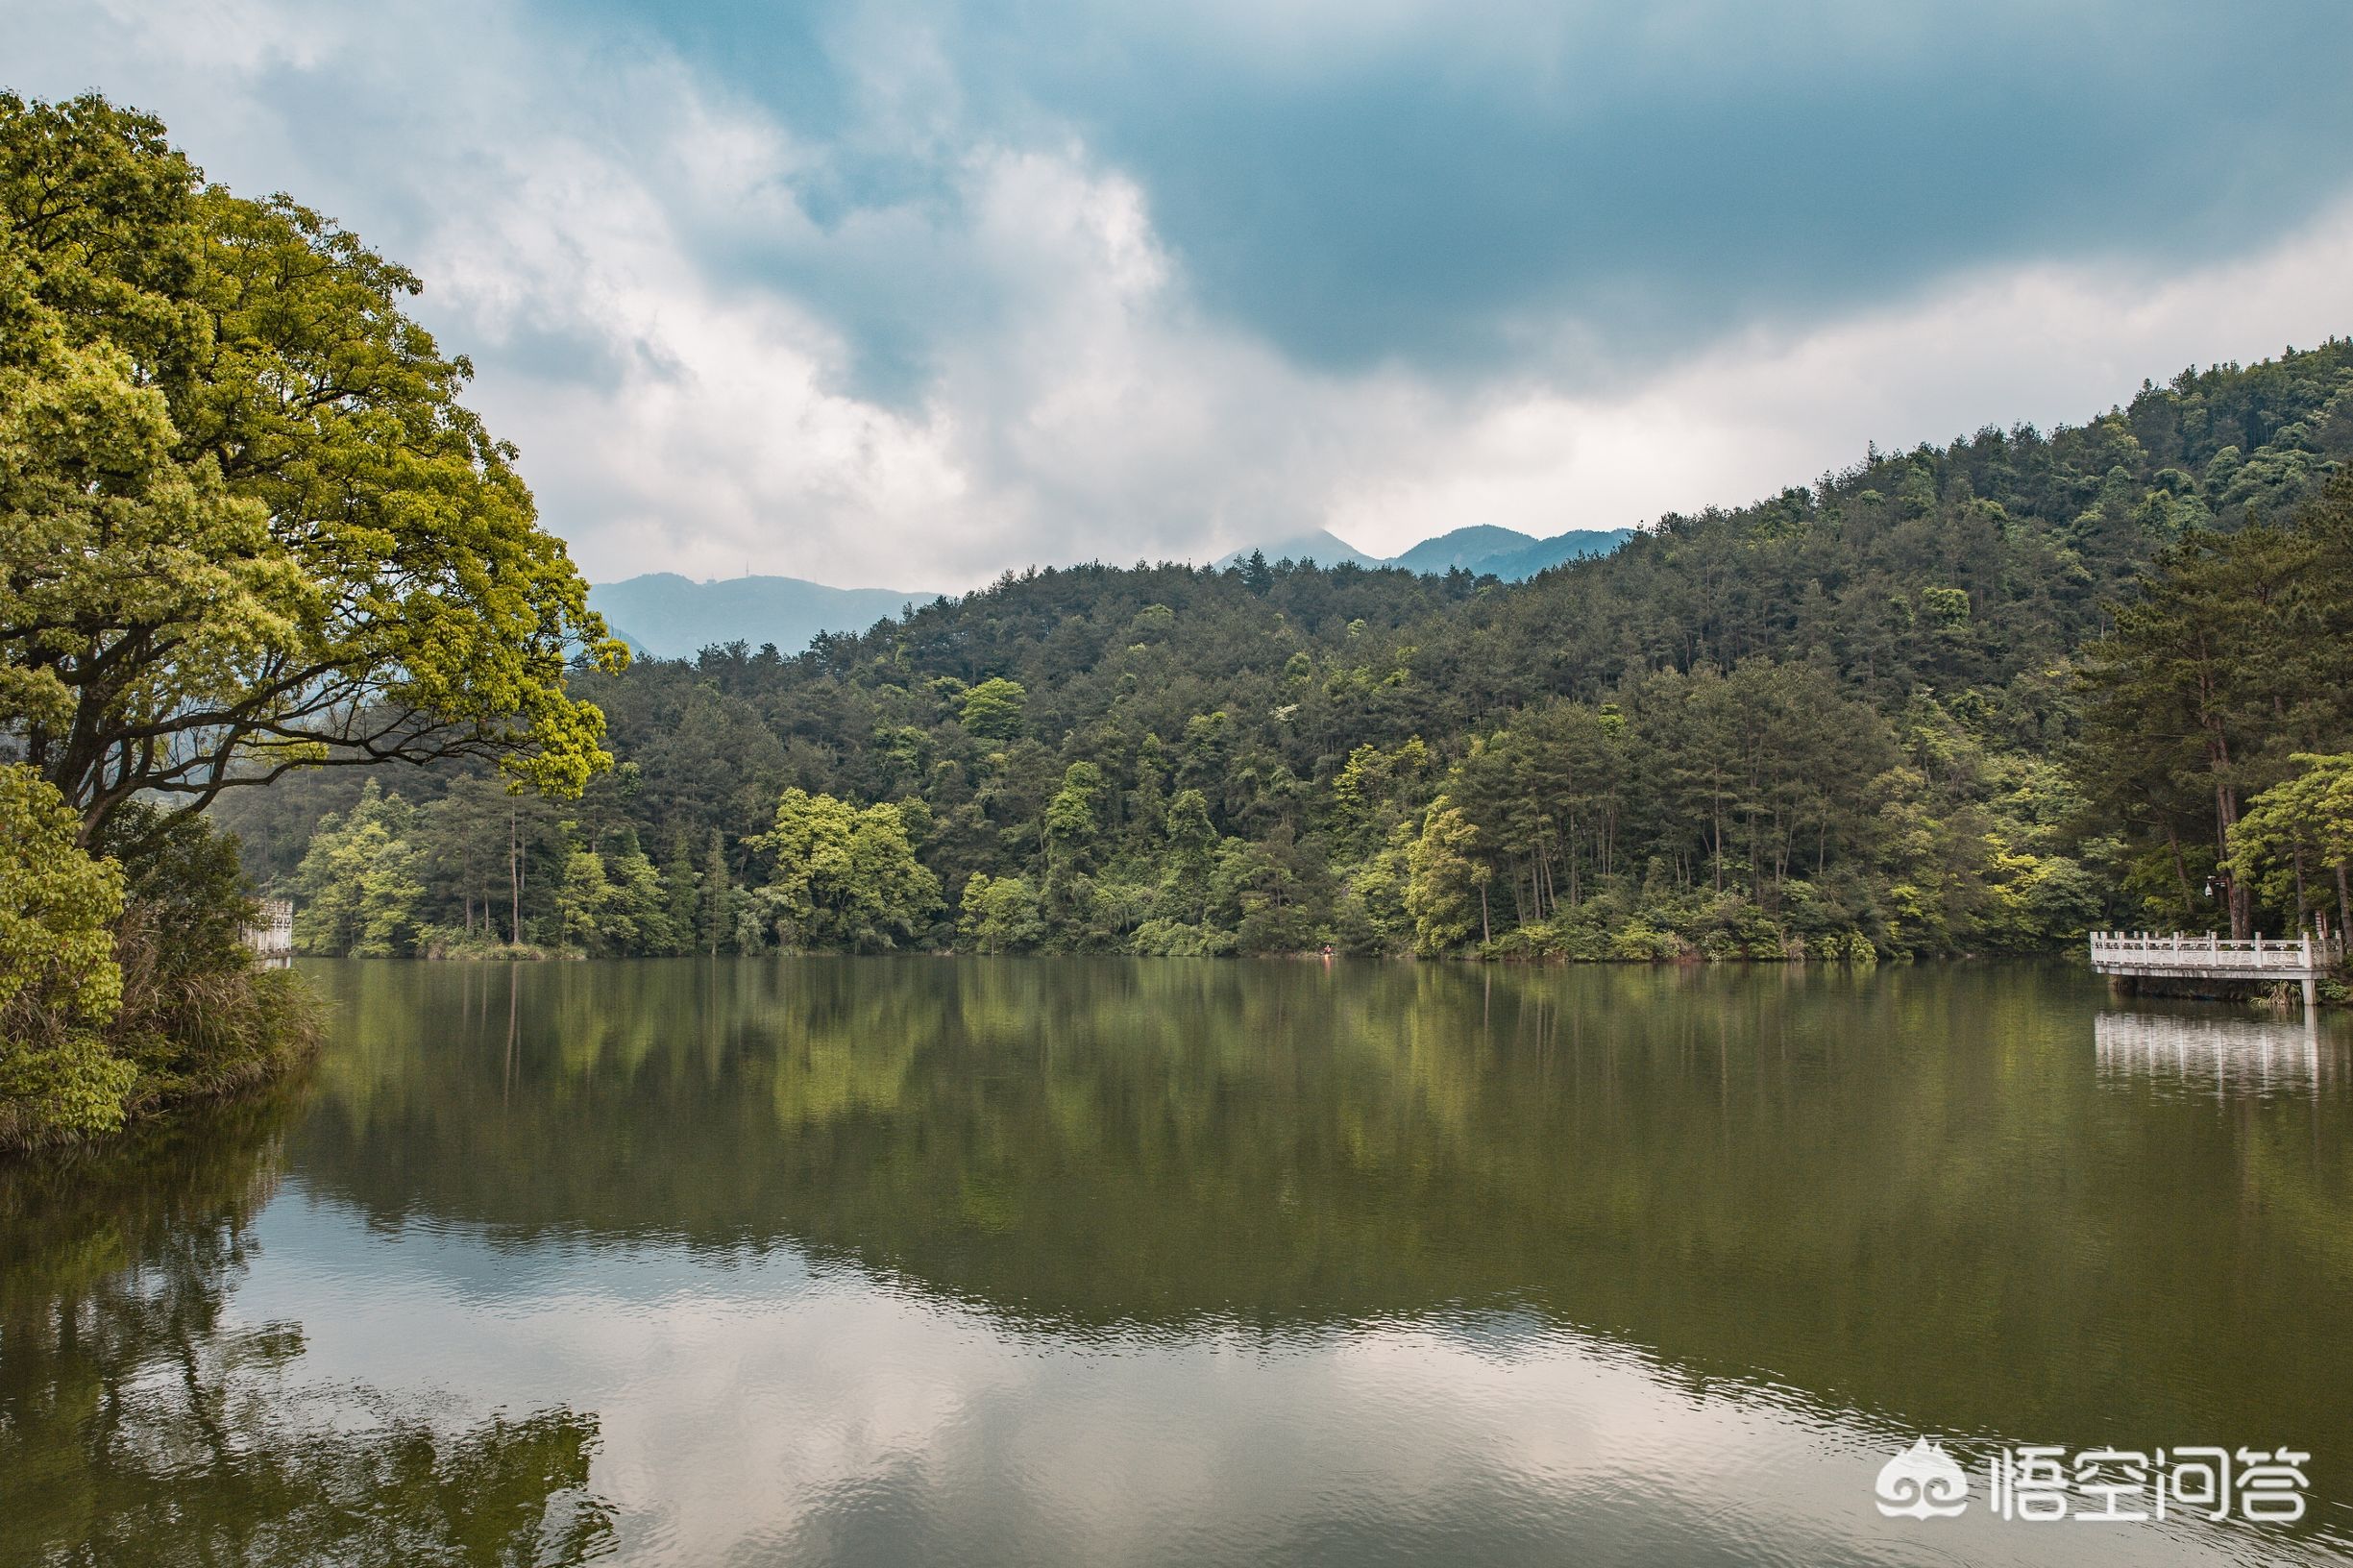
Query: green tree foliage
point(2233, 656)
point(59, 985)
point(1191, 844)
point(587, 912)
point(249, 524)
point(1446, 888)
point(844, 879)
point(488, 874)
point(992, 710)
point(614, 900)
point(1070, 826)
point(715, 899)
point(250, 529)
point(1000, 914)
point(681, 884)
point(361, 887)
point(2297, 831)
point(641, 900)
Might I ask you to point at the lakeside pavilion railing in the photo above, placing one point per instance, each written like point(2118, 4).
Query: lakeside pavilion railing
point(2178, 954)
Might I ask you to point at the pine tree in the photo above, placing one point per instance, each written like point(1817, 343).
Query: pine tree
point(716, 899)
point(682, 896)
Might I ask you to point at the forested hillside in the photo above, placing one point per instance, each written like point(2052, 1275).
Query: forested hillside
point(1849, 720)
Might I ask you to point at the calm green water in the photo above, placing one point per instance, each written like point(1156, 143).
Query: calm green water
point(888, 1262)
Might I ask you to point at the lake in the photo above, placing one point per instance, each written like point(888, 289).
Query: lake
point(1041, 1262)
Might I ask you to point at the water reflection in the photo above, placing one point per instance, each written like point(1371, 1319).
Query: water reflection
point(757, 1408)
point(2220, 1056)
point(880, 1261)
point(143, 1417)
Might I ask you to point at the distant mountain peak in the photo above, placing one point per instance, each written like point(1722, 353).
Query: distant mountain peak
point(674, 617)
point(1481, 547)
point(1318, 545)
point(1465, 546)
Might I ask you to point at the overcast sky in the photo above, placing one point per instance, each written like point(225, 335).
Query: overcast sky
point(906, 294)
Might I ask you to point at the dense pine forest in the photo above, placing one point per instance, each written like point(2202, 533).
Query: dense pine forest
point(1968, 699)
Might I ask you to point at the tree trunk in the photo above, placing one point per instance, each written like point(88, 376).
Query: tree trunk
point(2226, 817)
point(514, 878)
point(1569, 846)
point(2181, 870)
point(2242, 898)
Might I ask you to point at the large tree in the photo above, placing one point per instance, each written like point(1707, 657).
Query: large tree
point(2299, 830)
point(246, 524)
point(844, 878)
point(2234, 656)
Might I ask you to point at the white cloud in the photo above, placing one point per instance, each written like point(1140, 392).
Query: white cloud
point(1771, 408)
point(625, 249)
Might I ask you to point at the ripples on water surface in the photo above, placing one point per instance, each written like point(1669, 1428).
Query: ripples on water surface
point(1004, 1261)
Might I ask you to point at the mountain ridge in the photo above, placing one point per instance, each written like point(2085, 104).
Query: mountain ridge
point(1482, 549)
point(670, 616)
point(667, 615)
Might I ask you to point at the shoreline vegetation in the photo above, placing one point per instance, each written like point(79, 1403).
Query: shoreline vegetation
point(1976, 699)
point(127, 991)
point(1795, 952)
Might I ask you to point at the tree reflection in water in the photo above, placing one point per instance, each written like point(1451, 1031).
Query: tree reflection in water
point(1924, 1197)
point(1905, 1191)
point(141, 1421)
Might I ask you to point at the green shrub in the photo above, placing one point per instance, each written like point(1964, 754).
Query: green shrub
point(125, 983)
point(1637, 941)
point(59, 985)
